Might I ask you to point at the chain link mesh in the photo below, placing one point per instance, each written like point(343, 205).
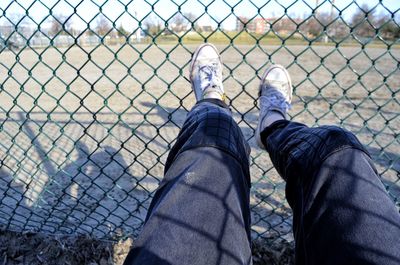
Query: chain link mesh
point(93, 94)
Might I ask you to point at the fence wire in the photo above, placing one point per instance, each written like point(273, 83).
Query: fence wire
point(93, 94)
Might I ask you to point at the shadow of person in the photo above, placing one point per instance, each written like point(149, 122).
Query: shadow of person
point(14, 207)
point(59, 198)
point(104, 195)
point(92, 194)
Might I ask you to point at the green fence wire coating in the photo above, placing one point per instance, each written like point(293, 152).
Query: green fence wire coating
point(93, 94)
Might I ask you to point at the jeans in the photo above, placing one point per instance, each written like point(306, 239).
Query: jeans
point(200, 213)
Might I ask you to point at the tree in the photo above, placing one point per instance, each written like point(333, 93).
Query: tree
point(362, 21)
point(69, 27)
point(179, 23)
point(182, 21)
point(122, 32)
point(103, 26)
point(57, 24)
point(152, 25)
point(285, 25)
point(388, 29)
point(316, 24)
point(313, 27)
point(191, 20)
point(339, 30)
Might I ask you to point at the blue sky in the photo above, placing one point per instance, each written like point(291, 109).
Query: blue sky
point(219, 10)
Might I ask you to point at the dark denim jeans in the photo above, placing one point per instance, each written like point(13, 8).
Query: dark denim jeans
point(200, 213)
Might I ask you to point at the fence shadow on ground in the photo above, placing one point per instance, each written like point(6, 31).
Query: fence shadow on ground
point(94, 188)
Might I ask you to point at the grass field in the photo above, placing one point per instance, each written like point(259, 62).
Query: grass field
point(248, 38)
point(84, 132)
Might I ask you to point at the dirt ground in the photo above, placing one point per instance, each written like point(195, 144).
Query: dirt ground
point(83, 142)
point(32, 249)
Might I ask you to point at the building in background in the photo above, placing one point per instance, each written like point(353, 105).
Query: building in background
point(256, 25)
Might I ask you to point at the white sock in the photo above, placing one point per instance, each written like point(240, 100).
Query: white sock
point(272, 117)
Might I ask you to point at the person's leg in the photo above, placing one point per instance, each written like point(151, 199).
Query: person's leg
point(200, 213)
point(341, 211)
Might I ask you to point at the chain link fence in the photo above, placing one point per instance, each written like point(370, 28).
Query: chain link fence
point(93, 94)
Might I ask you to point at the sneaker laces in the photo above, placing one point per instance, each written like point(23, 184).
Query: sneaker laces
point(274, 100)
point(210, 76)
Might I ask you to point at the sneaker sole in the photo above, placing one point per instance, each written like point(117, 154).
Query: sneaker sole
point(258, 130)
point(194, 58)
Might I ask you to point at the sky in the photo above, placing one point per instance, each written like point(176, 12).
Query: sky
point(124, 12)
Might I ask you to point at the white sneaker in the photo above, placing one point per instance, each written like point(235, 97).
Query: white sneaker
point(206, 73)
point(275, 95)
